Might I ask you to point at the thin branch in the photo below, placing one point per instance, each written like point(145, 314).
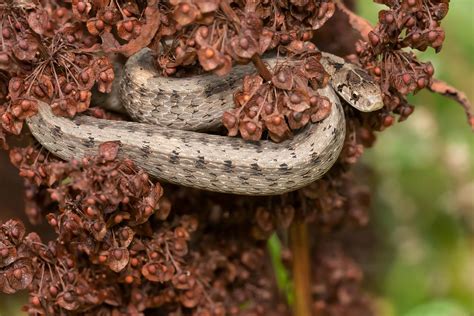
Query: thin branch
point(446, 90)
point(261, 67)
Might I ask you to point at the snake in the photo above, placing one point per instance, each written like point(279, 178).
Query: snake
point(169, 114)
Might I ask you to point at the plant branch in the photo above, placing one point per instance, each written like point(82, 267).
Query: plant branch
point(261, 67)
point(444, 89)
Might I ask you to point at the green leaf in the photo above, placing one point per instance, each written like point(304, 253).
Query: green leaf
point(438, 308)
point(281, 274)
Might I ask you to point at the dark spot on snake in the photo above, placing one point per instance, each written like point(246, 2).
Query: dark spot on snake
point(204, 141)
point(146, 150)
point(200, 163)
point(89, 143)
point(235, 145)
point(255, 166)
point(315, 158)
point(338, 66)
point(142, 92)
point(283, 166)
point(228, 166)
point(174, 157)
point(101, 125)
point(213, 174)
point(219, 87)
point(174, 96)
point(57, 132)
point(243, 178)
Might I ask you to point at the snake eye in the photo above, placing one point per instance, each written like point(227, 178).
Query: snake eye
point(355, 96)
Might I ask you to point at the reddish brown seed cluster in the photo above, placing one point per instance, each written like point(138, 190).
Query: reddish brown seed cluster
point(219, 32)
point(16, 262)
point(287, 102)
point(47, 56)
point(411, 24)
point(107, 192)
point(123, 20)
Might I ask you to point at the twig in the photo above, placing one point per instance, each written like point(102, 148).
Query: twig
point(444, 89)
point(261, 67)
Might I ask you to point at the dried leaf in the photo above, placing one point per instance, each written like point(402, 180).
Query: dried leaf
point(118, 259)
point(109, 150)
point(20, 274)
point(148, 31)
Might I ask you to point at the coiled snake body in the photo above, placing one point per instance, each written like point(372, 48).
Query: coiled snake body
point(166, 145)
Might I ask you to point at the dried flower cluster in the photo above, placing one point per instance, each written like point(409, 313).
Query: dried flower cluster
point(288, 102)
point(411, 24)
point(47, 55)
point(219, 32)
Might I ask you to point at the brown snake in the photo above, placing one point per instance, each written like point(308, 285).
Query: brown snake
point(166, 145)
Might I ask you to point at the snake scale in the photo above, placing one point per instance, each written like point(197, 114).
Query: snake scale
point(169, 111)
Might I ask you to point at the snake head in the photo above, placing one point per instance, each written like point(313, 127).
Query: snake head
point(356, 87)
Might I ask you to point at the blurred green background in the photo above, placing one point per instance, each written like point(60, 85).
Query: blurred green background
point(423, 208)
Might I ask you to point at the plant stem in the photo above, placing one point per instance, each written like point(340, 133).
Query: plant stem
point(301, 268)
point(262, 69)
